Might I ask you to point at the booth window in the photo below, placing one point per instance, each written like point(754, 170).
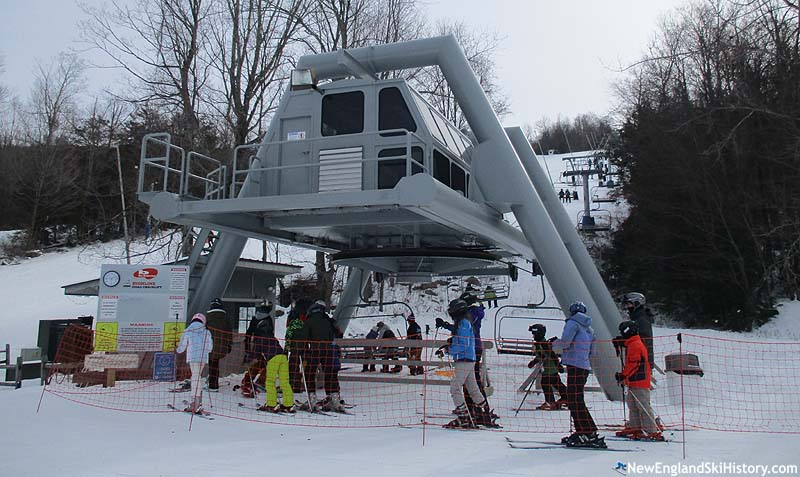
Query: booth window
point(441, 168)
point(390, 171)
point(343, 113)
point(458, 178)
point(393, 112)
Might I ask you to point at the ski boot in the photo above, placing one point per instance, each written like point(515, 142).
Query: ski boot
point(653, 436)
point(185, 386)
point(548, 406)
point(195, 407)
point(333, 403)
point(587, 440)
point(385, 368)
point(272, 409)
point(484, 416)
point(286, 409)
point(630, 433)
point(561, 404)
point(463, 419)
point(396, 369)
point(365, 369)
point(310, 405)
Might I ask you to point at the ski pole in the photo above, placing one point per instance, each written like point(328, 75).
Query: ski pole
point(305, 383)
point(650, 415)
point(533, 376)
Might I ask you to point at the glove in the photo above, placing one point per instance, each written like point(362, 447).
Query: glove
point(560, 368)
point(532, 363)
point(441, 351)
point(552, 338)
point(619, 377)
point(439, 323)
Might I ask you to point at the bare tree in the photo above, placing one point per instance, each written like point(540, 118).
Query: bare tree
point(55, 88)
point(162, 45)
point(4, 94)
point(250, 44)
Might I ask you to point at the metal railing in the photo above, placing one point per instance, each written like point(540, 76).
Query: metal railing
point(212, 182)
point(238, 175)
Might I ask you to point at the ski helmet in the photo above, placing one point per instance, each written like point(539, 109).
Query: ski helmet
point(628, 329)
point(577, 307)
point(317, 306)
point(216, 305)
point(457, 307)
point(538, 331)
point(635, 298)
point(469, 297)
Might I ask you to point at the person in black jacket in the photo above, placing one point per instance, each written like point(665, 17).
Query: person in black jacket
point(414, 332)
point(261, 327)
point(316, 339)
point(634, 302)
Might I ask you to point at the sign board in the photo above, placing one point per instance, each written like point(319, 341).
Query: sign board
point(296, 136)
point(141, 308)
point(164, 367)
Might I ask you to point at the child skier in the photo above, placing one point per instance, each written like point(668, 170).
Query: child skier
point(277, 367)
point(543, 351)
point(196, 341)
point(636, 375)
point(462, 349)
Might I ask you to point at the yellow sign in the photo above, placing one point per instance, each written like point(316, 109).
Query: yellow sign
point(105, 336)
point(172, 335)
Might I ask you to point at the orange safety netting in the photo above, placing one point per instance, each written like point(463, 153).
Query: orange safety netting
point(706, 383)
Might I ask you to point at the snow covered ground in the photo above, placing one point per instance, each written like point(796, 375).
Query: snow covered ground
point(65, 438)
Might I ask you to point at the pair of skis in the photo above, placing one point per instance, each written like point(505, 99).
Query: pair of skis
point(541, 445)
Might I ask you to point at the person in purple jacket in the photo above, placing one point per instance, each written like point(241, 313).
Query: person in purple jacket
point(575, 347)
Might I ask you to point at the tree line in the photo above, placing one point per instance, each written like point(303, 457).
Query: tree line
point(709, 155)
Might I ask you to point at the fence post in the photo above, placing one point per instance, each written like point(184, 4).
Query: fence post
point(683, 407)
point(18, 373)
point(42, 370)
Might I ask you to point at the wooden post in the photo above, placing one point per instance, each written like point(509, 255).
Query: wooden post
point(111, 378)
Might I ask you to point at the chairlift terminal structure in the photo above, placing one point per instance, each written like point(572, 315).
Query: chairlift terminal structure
point(366, 169)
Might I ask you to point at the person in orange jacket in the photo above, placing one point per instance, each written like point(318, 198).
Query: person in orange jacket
point(636, 376)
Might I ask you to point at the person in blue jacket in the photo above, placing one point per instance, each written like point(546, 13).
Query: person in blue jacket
point(575, 347)
point(462, 349)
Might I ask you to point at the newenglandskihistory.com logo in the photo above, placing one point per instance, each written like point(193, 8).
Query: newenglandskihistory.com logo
point(704, 468)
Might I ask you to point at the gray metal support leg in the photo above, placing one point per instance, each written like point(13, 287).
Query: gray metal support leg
point(609, 317)
point(351, 295)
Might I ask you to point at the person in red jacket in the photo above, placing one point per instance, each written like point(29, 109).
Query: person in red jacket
point(636, 376)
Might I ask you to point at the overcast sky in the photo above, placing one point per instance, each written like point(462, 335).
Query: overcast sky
point(556, 58)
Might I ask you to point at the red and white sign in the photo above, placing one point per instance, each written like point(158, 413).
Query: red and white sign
point(146, 273)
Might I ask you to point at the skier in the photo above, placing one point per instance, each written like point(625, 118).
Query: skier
point(462, 349)
point(551, 381)
point(316, 337)
point(369, 351)
point(260, 328)
point(490, 295)
point(634, 302)
point(277, 367)
point(221, 331)
point(476, 315)
point(197, 342)
point(414, 353)
point(575, 347)
point(561, 195)
point(575, 195)
point(386, 333)
point(294, 322)
point(636, 375)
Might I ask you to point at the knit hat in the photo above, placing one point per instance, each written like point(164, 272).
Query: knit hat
point(411, 317)
point(199, 317)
